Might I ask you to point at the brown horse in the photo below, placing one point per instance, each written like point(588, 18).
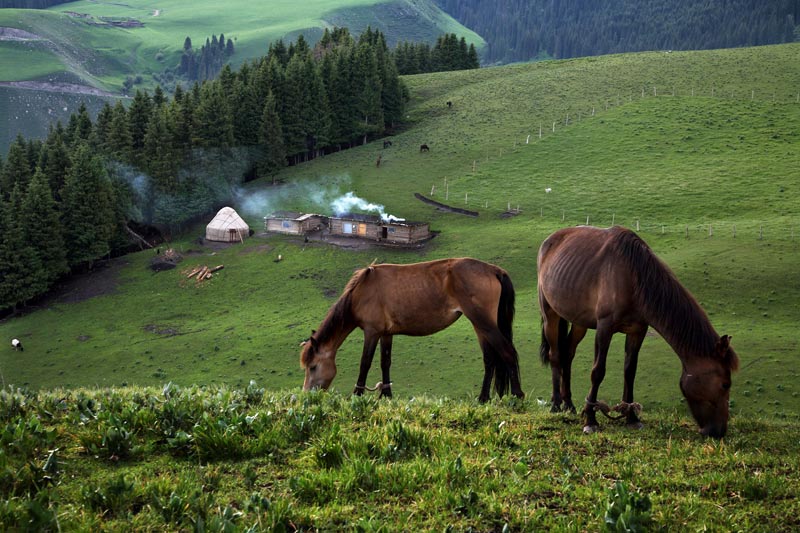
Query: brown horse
point(418, 299)
point(611, 281)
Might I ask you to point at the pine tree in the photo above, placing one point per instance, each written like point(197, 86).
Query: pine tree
point(87, 209)
point(44, 231)
point(24, 277)
point(139, 114)
point(119, 135)
point(55, 160)
point(17, 168)
point(368, 98)
point(213, 119)
point(271, 138)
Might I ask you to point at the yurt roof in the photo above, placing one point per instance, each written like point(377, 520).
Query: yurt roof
point(228, 218)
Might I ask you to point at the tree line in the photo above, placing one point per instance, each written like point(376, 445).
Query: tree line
point(522, 30)
point(206, 63)
point(449, 53)
point(66, 201)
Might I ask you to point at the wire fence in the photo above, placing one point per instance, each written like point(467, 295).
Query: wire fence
point(768, 230)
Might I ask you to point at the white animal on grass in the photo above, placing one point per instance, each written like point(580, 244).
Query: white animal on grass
point(16, 344)
point(548, 190)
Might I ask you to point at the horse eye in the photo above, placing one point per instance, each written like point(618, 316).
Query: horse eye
point(314, 367)
point(726, 386)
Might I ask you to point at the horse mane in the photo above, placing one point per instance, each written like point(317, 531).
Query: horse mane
point(339, 313)
point(666, 304)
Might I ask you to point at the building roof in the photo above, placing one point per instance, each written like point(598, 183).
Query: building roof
point(374, 219)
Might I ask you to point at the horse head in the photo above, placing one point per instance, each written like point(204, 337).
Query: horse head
point(706, 384)
point(319, 363)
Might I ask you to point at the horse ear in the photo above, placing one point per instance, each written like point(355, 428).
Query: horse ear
point(723, 344)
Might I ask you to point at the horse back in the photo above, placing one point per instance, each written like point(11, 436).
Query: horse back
point(423, 298)
point(582, 277)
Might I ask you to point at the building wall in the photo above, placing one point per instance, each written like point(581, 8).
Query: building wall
point(280, 225)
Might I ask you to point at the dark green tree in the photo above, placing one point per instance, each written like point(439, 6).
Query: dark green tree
point(17, 168)
point(87, 212)
point(43, 228)
point(271, 138)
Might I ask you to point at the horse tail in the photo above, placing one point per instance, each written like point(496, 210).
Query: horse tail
point(505, 309)
point(563, 345)
point(505, 367)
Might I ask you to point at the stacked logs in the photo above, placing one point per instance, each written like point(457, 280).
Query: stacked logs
point(203, 272)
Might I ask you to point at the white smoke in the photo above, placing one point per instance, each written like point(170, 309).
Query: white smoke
point(323, 196)
point(349, 201)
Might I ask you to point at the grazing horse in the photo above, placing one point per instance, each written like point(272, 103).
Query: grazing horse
point(424, 148)
point(611, 281)
point(387, 144)
point(449, 104)
point(418, 299)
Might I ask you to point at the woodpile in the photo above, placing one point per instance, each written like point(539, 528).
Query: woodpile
point(203, 272)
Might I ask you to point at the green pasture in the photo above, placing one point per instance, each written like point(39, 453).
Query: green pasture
point(24, 61)
point(245, 459)
point(689, 169)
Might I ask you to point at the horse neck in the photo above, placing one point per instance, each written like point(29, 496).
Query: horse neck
point(336, 326)
point(676, 315)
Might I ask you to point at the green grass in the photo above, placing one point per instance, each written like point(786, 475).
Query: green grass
point(232, 459)
point(26, 61)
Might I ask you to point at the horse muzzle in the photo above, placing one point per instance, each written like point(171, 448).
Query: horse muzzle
point(716, 431)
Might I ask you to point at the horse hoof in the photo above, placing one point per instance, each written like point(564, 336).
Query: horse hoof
point(588, 430)
point(634, 425)
point(555, 408)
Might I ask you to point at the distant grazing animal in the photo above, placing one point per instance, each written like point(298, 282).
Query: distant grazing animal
point(418, 299)
point(424, 148)
point(387, 144)
point(548, 190)
point(449, 104)
point(17, 345)
point(611, 281)
point(378, 161)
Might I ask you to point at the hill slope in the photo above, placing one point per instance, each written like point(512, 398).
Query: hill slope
point(77, 43)
point(708, 174)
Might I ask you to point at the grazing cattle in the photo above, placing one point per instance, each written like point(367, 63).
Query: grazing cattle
point(449, 104)
point(387, 144)
point(548, 190)
point(17, 345)
point(418, 299)
point(424, 148)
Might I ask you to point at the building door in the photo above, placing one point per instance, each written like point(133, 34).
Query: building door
point(384, 232)
point(362, 230)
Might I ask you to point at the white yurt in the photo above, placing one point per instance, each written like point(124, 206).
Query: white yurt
point(227, 226)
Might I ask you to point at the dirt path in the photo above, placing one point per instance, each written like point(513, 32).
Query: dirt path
point(57, 87)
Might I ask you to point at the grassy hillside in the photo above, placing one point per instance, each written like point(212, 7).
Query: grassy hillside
point(242, 460)
point(696, 163)
point(85, 50)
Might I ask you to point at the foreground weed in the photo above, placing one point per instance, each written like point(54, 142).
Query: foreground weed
point(627, 511)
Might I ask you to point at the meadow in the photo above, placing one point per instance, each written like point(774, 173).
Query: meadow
point(82, 50)
point(696, 150)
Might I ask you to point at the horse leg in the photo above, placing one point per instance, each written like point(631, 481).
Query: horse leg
point(633, 342)
point(370, 343)
point(576, 335)
point(602, 340)
point(488, 368)
point(550, 332)
point(386, 363)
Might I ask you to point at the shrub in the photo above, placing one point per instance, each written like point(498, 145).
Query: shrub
point(626, 511)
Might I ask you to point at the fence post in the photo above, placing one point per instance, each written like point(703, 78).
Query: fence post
point(761, 232)
point(687, 232)
point(734, 231)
